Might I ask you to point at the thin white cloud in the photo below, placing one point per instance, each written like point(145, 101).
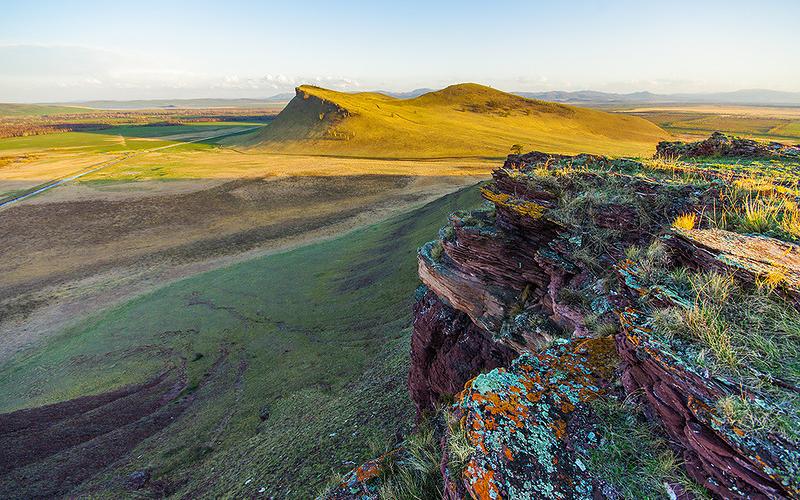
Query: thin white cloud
point(282, 82)
point(49, 73)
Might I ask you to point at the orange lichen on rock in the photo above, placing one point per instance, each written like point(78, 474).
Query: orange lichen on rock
point(483, 485)
point(519, 418)
point(367, 471)
point(364, 481)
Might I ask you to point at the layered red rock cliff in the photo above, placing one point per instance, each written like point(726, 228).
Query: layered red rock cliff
point(531, 310)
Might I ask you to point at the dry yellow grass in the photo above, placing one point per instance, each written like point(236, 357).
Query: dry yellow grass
point(687, 221)
point(723, 109)
point(233, 164)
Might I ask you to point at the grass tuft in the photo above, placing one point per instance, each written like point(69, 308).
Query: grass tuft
point(749, 334)
point(458, 447)
point(686, 222)
point(774, 278)
point(790, 222)
point(632, 456)
point(760, 209)
point(415, 473)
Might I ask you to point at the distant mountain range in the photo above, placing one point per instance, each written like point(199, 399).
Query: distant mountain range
point(187, 103)
point(751, 97)
point(742, 97)
point(406, 95)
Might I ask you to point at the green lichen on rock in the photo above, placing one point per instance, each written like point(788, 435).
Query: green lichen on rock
point(517, 420)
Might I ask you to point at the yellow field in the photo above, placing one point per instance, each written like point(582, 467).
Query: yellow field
point(465, 120)
point(233, 164)
point(724, 109)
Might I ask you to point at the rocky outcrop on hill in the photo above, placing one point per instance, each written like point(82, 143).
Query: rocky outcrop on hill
point(546, 307)
point(720, 144)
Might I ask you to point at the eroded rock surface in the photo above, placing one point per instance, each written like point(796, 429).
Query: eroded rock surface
point(748, 258)
point(447, 349)
point(525, 422)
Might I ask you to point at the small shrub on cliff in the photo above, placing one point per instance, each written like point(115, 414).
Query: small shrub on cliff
point(415, 473)
point(458, 447)
point(436, 251)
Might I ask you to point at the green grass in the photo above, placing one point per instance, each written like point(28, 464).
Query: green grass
point(415, 474)
point(632, 455)
point(323, 331)
point(751, 126)
point(113, 140)
point(791, 129)
point(702, 123)
point(9, 109)
point(466, 120)
point(749, 335)
point(752, 211)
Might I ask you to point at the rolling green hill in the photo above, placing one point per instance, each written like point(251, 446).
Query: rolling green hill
point(458, 121)
point(288, 365)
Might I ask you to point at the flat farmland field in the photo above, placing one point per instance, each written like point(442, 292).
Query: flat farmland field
point(26, 162)
point(691, 122)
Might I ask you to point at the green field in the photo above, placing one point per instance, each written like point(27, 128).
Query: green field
point(17, 110)
point(466, 120)
point(116, 139)
point(319, 336)
point(780, 124)
point(757, 127)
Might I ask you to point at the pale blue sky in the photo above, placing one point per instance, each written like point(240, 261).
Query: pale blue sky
point(59, 50)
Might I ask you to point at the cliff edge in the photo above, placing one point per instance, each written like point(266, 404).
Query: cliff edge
point(609, 328)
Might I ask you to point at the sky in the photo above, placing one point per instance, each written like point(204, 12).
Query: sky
point(57, 51)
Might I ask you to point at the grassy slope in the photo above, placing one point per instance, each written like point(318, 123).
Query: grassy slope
point(461, 120)
point(322, 330)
